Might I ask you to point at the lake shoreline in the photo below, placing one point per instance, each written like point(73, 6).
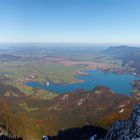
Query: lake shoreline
point(89, 77)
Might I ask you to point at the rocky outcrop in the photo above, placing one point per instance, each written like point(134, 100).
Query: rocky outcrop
point(126, 130)
point(4, 135)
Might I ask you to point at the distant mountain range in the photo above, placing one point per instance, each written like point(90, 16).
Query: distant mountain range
point(121, 51)
point(130, 56)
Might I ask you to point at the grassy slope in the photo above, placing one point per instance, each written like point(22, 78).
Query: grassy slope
point(36, 93)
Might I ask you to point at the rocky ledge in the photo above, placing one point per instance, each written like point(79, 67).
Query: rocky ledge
point(126, 130)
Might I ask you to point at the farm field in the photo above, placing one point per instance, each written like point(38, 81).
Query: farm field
point(58, 66)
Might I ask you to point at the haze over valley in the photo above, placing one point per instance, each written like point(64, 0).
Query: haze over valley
point(42, 84)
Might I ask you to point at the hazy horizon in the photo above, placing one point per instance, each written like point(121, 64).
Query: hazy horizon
point(65, 44)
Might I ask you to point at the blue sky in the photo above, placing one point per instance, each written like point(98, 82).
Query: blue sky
point(76, 21)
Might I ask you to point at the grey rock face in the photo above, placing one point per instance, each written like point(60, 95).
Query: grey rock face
point(126, 130)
